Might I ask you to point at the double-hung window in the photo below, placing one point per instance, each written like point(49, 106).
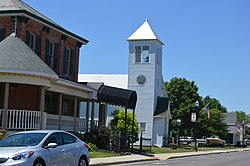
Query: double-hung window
point(51, 56)
point(142, 54)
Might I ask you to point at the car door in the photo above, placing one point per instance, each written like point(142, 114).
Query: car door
point(55, 156)
point(71, 148)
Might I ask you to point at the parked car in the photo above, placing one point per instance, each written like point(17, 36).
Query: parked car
point(215, 141)
point(190, 141)
point(186, 140)
point(42, 148)
point(247, 141)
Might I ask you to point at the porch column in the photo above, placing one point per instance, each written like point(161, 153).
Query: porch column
point(92, 122)
point(75, 112)
point(102, 113)
point(6, 105)
point(87, 116)
point(42, 102)
point(60, 111)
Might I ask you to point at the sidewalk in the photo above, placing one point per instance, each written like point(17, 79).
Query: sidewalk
point(139, 158)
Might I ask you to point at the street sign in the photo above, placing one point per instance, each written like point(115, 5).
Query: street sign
point(193, 117)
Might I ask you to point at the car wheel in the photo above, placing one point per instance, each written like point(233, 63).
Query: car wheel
point(83, 161)
point(39, 162)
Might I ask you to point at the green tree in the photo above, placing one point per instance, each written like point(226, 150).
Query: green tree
point(213, 103)
point(215, 126)
point(183, 94)
point(117, 124)
point(242, 116)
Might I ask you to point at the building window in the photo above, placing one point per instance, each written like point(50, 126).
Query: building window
point(30, 40)
point(34, 42)
point(51, 57)
point(2, 33)
point(69, 62)
point(158, 56)
point(142, 127)
point(142, 54)
point(66, 60)
point(65, 107)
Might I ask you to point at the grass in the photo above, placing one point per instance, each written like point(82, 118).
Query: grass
point(155, 150)
point(102, 153)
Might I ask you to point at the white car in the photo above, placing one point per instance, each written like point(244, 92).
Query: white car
point(43, 148)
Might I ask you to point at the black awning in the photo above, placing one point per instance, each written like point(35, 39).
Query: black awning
point(162, 105)
point(117, 96)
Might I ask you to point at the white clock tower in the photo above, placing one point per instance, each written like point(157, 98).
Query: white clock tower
point(145, 77)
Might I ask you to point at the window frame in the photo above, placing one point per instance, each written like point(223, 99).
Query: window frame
point(142, 54)
point(145, 128)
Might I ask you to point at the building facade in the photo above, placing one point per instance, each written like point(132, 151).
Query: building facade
point(145, 77)
point(39, 63)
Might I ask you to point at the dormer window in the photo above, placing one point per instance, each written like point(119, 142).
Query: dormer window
point(142, 54)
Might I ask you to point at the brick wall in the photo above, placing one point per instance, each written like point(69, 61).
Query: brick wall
point(39, 29)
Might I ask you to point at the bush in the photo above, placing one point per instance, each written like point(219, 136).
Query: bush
point(92, 147)
point(173, 146)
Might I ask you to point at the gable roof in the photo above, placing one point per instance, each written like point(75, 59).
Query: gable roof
point(17, 57)
point(144, 32)
point(19, 8)
point(231, 118)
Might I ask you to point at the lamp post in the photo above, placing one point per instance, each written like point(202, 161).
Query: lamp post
point(196, 129)
point(243, 133)
point(178, 124)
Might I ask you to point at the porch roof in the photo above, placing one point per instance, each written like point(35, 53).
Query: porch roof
point(162, 105)
point(117, 96)
point(17, 57)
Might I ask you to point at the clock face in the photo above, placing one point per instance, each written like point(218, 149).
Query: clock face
point(141, 79)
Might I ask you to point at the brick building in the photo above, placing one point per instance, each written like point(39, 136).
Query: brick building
point(39, 63)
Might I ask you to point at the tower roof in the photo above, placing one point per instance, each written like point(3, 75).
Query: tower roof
point(144, 32)
point(17, 57)
point(19, 8)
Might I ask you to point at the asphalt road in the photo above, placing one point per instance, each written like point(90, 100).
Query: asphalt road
point(224, 159)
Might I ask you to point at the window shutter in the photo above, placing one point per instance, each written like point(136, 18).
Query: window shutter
point(2, 33)
point(72, 63)
point(28, 38)
point(38, 45)
point(47, 58)
point(65, 61)
point(56, 54)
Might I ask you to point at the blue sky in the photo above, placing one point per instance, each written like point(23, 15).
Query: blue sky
point(206, 41)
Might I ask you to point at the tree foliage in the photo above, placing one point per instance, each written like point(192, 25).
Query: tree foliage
point(183, 95)
point(117, 124)
point(242, 116)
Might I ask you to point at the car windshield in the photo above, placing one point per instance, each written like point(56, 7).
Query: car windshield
point(22, 139)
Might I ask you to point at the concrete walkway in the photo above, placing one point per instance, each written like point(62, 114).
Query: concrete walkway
point(139, 158)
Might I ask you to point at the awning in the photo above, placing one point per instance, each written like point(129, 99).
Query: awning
point(117, 96)
point(162, 105)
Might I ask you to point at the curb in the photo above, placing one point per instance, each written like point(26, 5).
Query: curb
point(153, 158)
point(128, 161)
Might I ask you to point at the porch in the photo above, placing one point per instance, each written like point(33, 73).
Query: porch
point(31, 120)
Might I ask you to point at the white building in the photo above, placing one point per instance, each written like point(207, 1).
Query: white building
point(145, 77)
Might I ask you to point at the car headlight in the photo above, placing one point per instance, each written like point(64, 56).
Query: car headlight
point(22, 155)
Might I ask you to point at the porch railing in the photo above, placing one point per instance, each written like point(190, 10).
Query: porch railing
point(21, 119)
point(30, 120)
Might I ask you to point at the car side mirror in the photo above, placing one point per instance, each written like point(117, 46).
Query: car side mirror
point(51, 145)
